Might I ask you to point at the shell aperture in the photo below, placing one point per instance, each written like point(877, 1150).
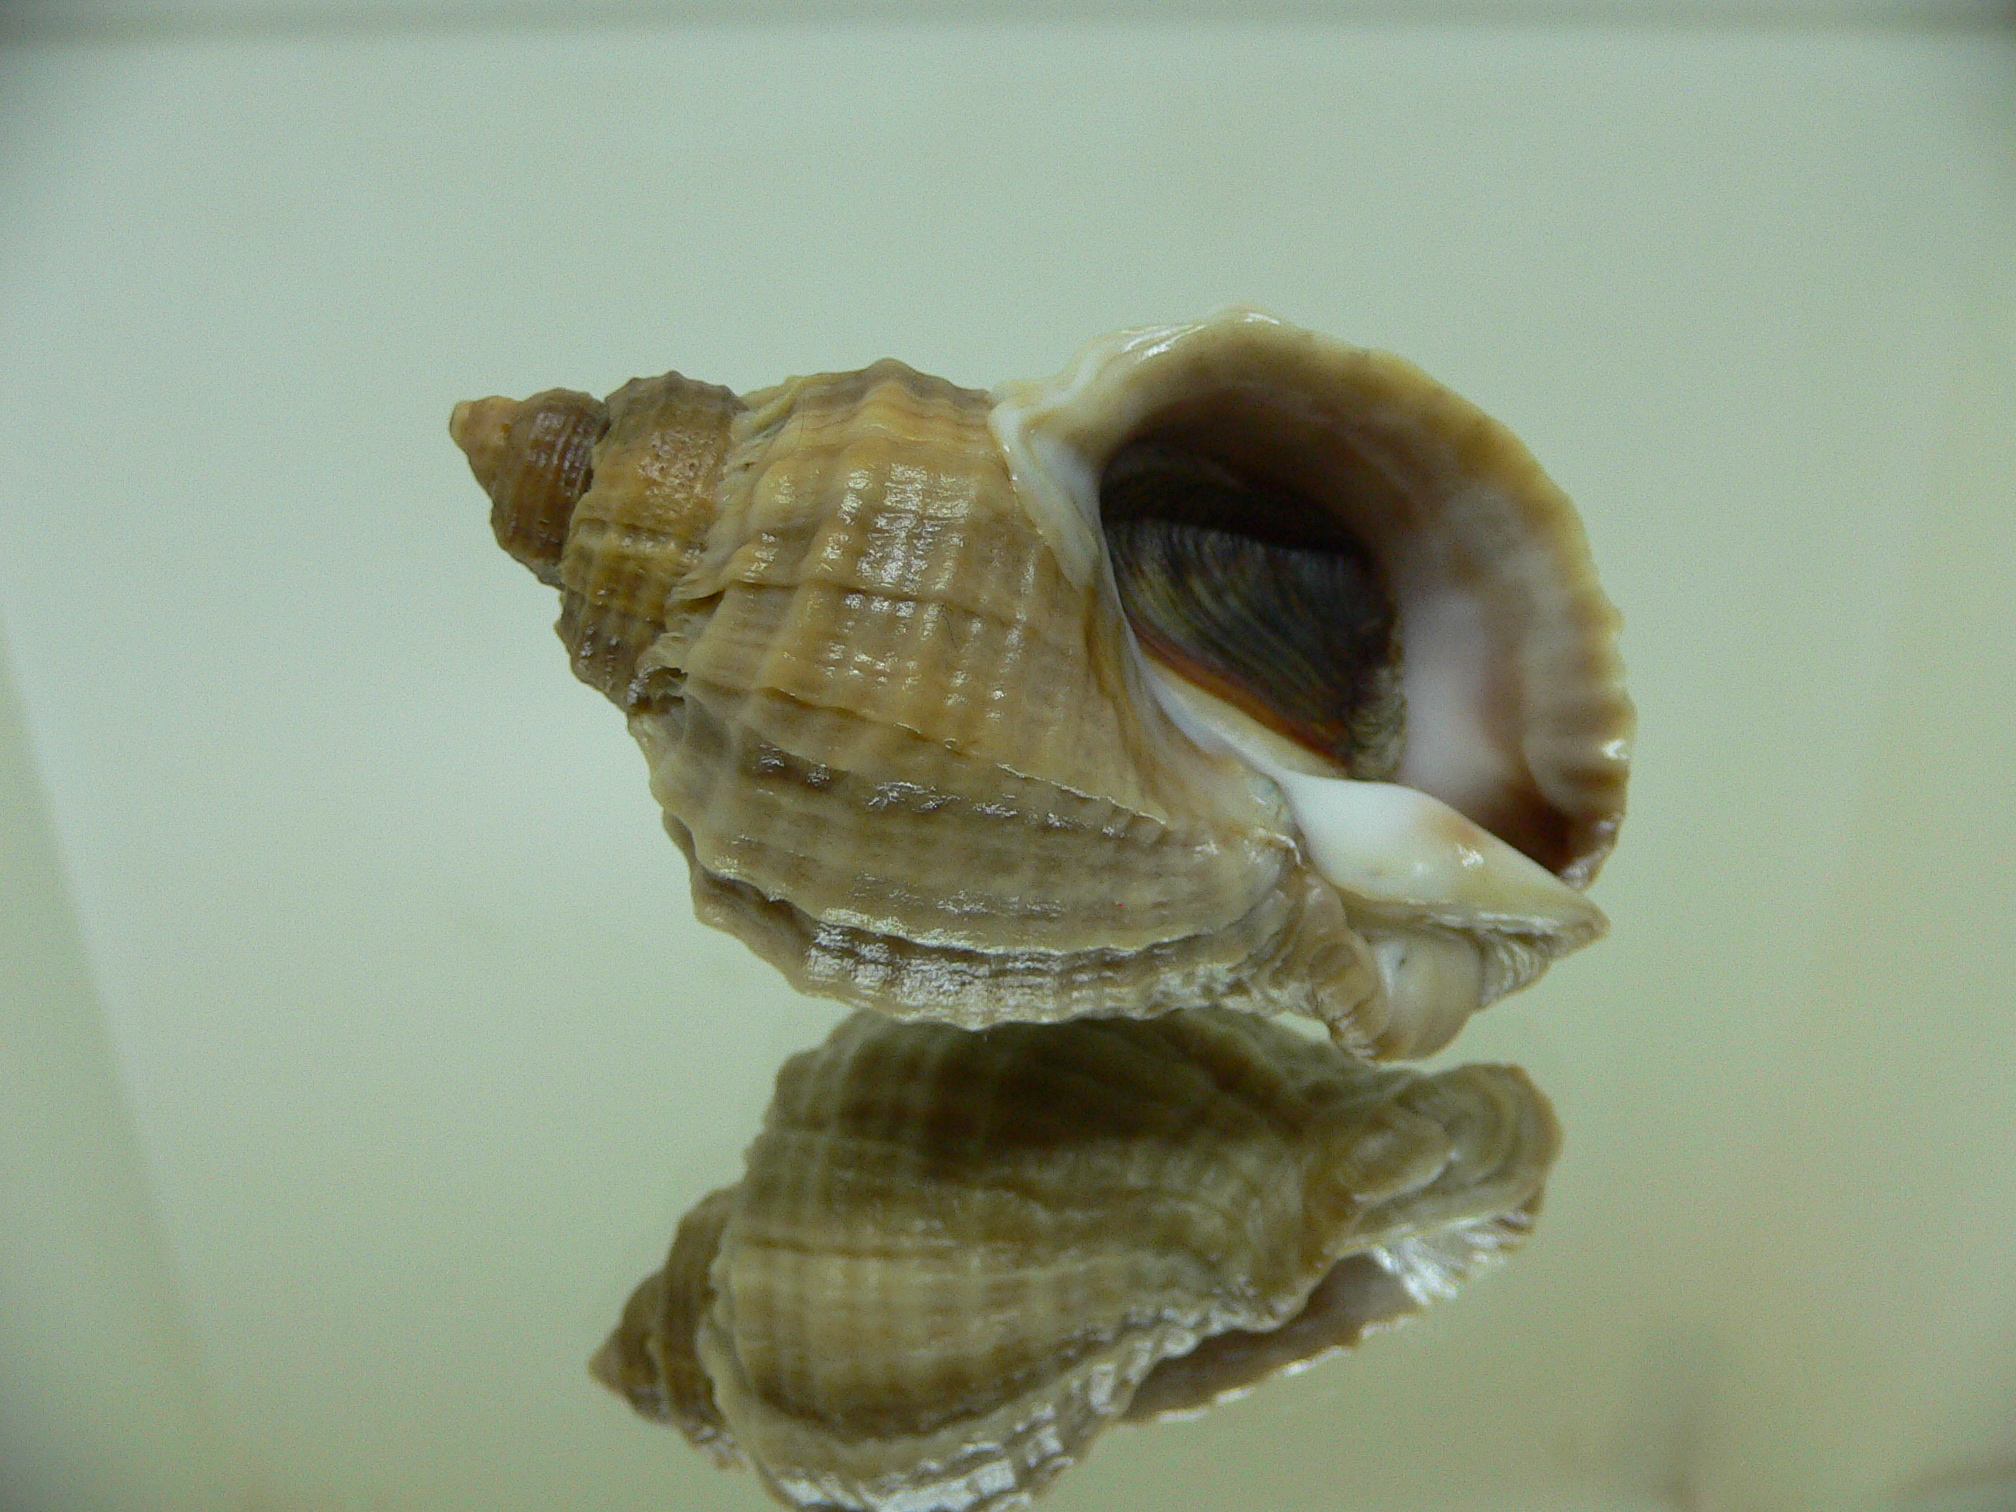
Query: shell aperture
point(1301, 636)
point(956, 1257)
point(1233, 665)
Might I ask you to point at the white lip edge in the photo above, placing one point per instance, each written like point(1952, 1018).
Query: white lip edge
point(1450, 865)
point(1055, 480)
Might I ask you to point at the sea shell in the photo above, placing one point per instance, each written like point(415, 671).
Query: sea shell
point(1233, 665)
point(956, 1257)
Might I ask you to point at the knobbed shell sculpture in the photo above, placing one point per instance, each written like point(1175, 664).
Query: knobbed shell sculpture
point(957, 1257)
point(1232, 665)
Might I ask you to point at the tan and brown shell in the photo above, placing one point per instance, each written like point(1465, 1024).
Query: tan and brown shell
point(1234, 665)
point(956, 1257)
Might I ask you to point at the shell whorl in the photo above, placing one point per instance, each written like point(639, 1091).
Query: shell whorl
point(609, 502)
point(534, 458)
point(907, 760)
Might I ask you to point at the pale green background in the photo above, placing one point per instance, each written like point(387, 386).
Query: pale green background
point(358, 1050)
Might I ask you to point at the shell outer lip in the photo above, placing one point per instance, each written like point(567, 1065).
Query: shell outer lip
point(1056, 434)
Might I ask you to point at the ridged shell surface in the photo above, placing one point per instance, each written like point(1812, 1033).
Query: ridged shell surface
point(904, 756)
point(1029, 705)
point(956, 1257)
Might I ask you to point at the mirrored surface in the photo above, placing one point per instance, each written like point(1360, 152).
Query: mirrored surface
point(382, 954)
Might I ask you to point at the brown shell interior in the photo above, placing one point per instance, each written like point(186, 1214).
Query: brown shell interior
point(1385, 470)
point(1261, 600)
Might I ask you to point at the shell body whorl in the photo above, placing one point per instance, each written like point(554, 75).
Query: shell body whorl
point(985, 707)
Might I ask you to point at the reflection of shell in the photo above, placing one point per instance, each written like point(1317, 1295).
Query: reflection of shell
point(956, 1257)
point(1234, 665)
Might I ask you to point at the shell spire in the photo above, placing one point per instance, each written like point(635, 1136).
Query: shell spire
point(608, 501)
point(534, 458)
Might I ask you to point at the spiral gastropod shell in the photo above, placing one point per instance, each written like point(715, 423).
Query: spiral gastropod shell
point(1233, 665)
